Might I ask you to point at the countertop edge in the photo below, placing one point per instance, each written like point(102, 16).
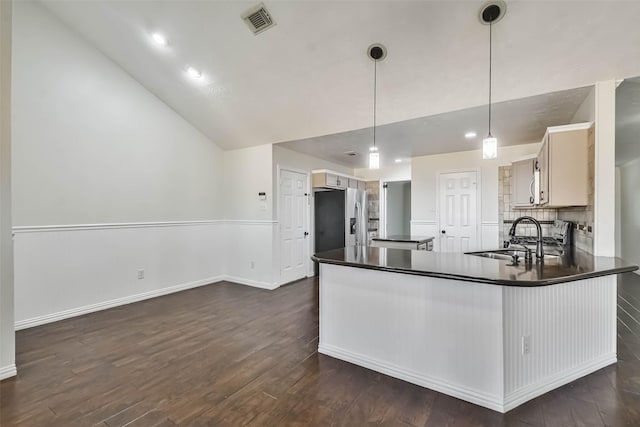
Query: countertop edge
point(512, 283)
point(384, 239)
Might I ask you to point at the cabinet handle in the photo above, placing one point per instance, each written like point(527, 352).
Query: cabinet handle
point(443, 232)
point(533, 181)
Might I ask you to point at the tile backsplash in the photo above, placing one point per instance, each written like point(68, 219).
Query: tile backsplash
point(582, 216)
point(507, 213)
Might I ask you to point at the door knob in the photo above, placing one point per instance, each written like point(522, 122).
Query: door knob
point(443, 232)
point(306, 233)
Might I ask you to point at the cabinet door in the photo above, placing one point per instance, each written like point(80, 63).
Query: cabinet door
point(342, 182)
point(331, 180)
point(569, 168)
point(543, 167)
point(522, 183)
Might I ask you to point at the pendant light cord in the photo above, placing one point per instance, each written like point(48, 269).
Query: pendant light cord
point(490, 52)
point(375, 90)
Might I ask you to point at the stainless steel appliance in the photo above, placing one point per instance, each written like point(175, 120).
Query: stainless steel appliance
point(558, 238)
point(356, 218)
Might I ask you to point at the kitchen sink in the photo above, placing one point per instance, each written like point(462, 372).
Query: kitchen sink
point(507, 254)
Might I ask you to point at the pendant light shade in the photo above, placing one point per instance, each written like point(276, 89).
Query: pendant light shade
point(376, 52)
point(490, 14)
point(374, 160)
point(489, 148)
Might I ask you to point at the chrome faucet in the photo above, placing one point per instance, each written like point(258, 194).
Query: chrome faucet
point(512, 232)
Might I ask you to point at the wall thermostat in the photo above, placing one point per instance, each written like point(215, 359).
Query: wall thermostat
point(262, 195)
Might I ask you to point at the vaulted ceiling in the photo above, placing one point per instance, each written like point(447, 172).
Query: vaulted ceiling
point(309, 75)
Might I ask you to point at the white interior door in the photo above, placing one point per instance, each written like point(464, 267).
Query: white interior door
point(293, 226)
point(458, 218)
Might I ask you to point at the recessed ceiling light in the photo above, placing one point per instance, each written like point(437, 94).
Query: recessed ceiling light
point(159, 39)
point(398, 160)
point(470, 135)
point(194, 73)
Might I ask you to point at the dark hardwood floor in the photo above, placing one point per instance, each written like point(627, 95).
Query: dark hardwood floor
point(230, 355)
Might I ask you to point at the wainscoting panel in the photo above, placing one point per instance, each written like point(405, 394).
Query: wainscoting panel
point(489, 235)
point(570, 329)
point(65, 271)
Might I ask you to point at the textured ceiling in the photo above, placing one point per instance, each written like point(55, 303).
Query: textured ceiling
point(309, 75)
point(514, 122)
point(628, 121)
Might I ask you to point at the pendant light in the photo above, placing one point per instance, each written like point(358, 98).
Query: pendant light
point(490, 14)
point(376, 52)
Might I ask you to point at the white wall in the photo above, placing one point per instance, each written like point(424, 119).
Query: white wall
point(629, 208)
point(7, 335)
point(424, 176)
point(284, 158)
point(92, 146)
point(587, 110)
point(400, 172)
point(251, 222)
point(604, 212)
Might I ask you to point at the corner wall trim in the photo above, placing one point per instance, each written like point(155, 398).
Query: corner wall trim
point(61, 315)
point(8, 372)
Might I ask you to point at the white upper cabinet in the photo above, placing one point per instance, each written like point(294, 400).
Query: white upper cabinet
point(563, 165)
point(522, 183)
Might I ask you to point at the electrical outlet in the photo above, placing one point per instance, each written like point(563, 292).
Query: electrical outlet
point(252, 264)
point(526, 344)
point(140, 274)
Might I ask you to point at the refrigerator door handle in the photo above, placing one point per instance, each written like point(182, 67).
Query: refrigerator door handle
point(357, 223)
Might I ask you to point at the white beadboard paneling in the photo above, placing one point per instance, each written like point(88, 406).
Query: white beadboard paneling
point(65, 270)
point(570, 325)
point(465, 339)
point(489, 235)
point(439, 333)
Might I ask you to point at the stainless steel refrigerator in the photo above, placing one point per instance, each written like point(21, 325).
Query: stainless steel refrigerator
point(356, 218)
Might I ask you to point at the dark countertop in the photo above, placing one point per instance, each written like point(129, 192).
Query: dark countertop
point(576, 265)
point(404, 238)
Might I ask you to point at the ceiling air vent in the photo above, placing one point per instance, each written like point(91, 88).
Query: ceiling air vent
point(258, 19)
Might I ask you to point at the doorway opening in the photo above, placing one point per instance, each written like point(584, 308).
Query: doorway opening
point(397, 196)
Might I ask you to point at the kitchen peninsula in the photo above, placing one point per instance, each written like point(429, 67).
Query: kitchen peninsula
point(480, 329)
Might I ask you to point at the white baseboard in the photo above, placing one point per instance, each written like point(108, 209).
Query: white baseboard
point(552, 382)
point(61, 315)
point(8, 372)
point(79, 311)
point(249, 282)
point(511, 401)
point(473, 396)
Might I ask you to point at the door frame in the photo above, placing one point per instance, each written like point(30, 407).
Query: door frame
point(307, 219)
point(382, 220)
point(439, 174)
